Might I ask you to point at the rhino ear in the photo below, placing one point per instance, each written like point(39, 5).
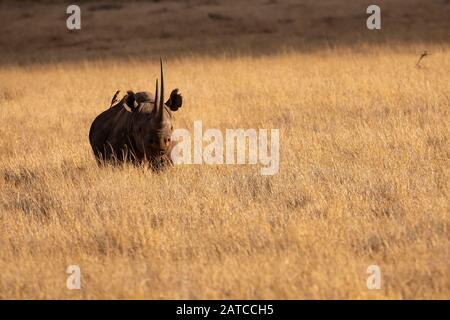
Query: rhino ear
point(130, 103)
point(175, 100)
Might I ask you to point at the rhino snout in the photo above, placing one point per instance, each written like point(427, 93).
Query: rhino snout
point(161, 143)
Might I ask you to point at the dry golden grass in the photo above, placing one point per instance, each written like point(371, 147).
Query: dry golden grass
point(363, 180)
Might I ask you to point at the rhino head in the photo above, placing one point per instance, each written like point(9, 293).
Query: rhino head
point(151, 122)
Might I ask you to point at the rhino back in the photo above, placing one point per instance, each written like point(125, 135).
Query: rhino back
point(108, 129)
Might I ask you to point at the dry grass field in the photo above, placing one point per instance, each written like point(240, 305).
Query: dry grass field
point(363, 180)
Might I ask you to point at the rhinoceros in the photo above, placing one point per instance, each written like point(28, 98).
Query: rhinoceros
point(137, 129)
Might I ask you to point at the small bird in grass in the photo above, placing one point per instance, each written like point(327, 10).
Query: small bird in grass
point(423, 55)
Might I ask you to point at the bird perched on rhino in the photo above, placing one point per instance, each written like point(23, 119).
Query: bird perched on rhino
point(136, 129)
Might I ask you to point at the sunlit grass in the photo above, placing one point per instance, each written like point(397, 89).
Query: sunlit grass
point(363, 180)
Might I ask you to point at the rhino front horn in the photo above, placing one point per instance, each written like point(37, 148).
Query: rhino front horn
point(161, 99)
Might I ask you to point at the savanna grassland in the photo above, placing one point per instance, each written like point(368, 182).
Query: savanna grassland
point(364, 157)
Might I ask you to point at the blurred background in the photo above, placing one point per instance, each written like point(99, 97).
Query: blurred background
point(35, 31)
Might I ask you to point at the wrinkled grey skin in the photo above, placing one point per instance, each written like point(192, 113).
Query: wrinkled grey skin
point(137, 129)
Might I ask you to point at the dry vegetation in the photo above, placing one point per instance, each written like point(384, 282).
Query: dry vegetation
point(364, 179)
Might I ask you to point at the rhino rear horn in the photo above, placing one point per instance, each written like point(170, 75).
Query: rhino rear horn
point(156, 94)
